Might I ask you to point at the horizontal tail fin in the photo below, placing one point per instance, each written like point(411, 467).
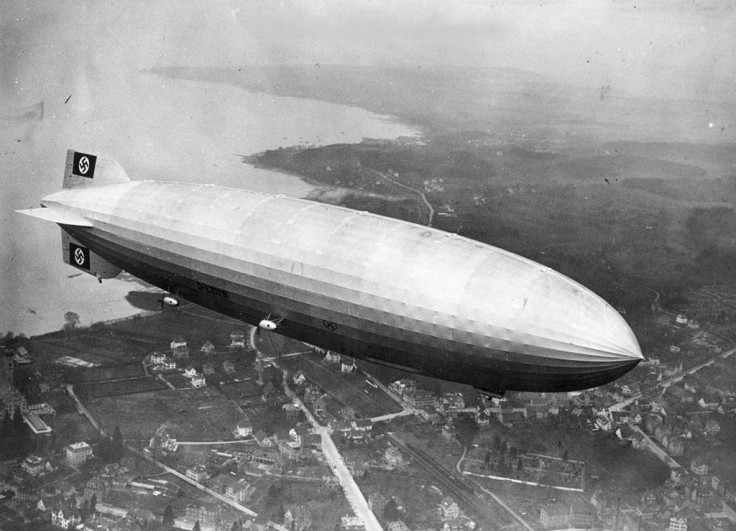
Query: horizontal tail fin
point(83, 169)
point(62, 217)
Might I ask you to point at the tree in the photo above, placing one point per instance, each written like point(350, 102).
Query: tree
point(391, 511)
point(196, 526)
point(117, 444)
point(71, 320)
point(93, 504)
point(168, 519)
point(84, 510)
point(565, 455)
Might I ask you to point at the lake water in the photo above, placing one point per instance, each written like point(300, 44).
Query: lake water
point(157, 128)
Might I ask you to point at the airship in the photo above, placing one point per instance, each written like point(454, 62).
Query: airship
point(375, 288)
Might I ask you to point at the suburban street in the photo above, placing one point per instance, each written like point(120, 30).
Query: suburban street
point(352, 492)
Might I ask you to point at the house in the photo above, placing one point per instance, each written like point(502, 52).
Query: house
point(582, 515)
point(240, 491)
point(96, 487)
point(419, 398)
point(348, 365)
point(299, 377)
point(262, 439)
point(393, 456)
point(712, 427)
point(208, 347)
point(332, 357)
point(351, 523)
point(675, 446)
point(313, 440)
point(448, 432)
point(298, 433)
point(46, 503)
point(190, 372)
point(199, 381)
point(699, 467)
point(34, 465)
point(287, 450)
point(268, 389)
point(21, 356)
point(65, 516)
point(298, 518)
point(157, 358)
point(292, 411)
point(553, 515)
point(357, 468)
point(243, 429)
point(77, 453)
point(205, 514)
point(179, 348)
point(237, 339)
point(197, 473)
point(677, 524)
point(363, 425)
point(265, 457)
point(168, 364)
point(448, 508)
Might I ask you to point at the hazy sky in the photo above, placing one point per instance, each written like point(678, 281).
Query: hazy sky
point(664, 48)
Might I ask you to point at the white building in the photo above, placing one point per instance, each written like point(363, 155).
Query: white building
point(77, 453)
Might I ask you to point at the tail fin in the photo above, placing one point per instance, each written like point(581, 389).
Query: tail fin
point(89, 170)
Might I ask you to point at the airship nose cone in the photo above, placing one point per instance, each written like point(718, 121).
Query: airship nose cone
point(583, 326)
point(559, 322)
point(593, 330)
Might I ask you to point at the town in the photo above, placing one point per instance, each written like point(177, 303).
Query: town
point(186, 420)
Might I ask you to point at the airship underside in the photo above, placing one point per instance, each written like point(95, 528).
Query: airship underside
point(371, 287)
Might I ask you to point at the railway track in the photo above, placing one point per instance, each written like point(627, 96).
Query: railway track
point(477, 508)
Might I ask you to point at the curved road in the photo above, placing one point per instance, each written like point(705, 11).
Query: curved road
point(430, 209)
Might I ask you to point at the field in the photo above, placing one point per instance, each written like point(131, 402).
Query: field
point(127, 386)
point(190, 415)
point(346, 389)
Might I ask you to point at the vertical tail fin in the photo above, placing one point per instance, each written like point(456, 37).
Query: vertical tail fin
point(83, 169)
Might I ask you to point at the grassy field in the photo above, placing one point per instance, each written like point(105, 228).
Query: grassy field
point(195, 415)
point(128, 386)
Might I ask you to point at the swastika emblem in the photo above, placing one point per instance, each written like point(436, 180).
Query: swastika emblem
point(79, 256)
point(83, 165)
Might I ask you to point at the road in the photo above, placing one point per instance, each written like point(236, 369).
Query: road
point(428, 206)
point(391, 416)
point(352, 492)
point(675, 379)
point(695, 369)
point(198, 485)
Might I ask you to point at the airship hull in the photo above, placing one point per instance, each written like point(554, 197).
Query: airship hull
point(371, 287)
point(362, 330)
